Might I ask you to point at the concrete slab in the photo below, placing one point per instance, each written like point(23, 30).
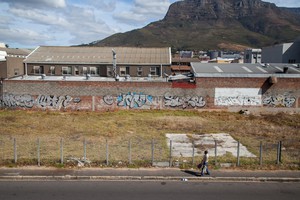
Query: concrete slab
point(182, 144)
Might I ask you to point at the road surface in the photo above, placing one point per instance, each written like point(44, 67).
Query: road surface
point(146, 190)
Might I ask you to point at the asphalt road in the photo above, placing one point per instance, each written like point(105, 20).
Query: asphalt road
point(144, 190)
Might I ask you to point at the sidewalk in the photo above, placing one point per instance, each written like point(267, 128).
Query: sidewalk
point(43, 173)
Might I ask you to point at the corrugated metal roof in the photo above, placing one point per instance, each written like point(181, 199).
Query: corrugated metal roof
point(245, 70)
point(99, 55)
point(13, 51)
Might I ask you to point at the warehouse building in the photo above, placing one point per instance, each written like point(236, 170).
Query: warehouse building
point(99, 61)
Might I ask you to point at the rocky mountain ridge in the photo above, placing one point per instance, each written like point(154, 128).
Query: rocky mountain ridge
point(215, 24)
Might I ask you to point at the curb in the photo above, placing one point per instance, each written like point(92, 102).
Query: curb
point(149, 178)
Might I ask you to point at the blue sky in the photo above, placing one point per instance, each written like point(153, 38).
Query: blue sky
point(30, 23)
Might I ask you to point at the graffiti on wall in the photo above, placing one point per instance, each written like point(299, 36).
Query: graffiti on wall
point(42, 101)
point(11, 100)
point(184, 101)
point(108, 99)
point(279, 101)
point(238, 97)
point(130, 100)
point(238, 101)
point(134, 100)
point(53, 101)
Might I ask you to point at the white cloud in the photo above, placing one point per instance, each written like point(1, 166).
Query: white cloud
point(40, 17)
point(37, 3)
point(151, 8)
point(286, 3)
point(23, 37)
point(104, 5)
point(143, 11)
point(84, 26)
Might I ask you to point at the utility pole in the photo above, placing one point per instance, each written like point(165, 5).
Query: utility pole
point(1, 92)
point(116, 76)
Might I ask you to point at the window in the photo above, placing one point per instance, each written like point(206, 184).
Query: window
point(153, 71)
point(109, 72)
point(52, 70)
point(67, 70)
point(292, 60)
point(94, 71)
point(124, 71)
point(38, 69)
point(76, 70)
point(139, 71)
point(84, 70)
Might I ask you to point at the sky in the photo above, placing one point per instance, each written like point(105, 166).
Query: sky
point(32, 23)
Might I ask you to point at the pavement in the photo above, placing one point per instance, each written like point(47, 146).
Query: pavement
point(147, 174)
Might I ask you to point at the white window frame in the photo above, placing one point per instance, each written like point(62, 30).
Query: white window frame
point(52, 70)
point(139, 71)
point(153, 71)
point(94, 71)
point(109, 72)
point(37, 70)
point(122, 71)
point(66, 70)
point(76, 70)
point(84, 70)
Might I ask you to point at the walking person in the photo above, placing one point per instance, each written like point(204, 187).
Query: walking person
point(204, 163)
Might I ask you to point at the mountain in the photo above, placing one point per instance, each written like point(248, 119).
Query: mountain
point(214, 24)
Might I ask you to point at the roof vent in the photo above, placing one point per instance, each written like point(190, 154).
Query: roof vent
point(266, 65)
point(285, 69)
point(272, 79)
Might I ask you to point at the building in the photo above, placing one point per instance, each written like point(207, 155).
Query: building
point(282, 53)
point(82, 78)
point(249, 85)
point(252, 56)
point(11, 62)
point(99, 61)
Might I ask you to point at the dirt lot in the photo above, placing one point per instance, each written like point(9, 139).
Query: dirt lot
point(141, 128)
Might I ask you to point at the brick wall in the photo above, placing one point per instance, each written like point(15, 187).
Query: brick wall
point(102, 96)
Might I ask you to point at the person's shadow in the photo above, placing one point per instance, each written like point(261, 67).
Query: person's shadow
point(194, 173)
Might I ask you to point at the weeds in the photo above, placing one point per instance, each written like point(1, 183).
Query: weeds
point(141, 126)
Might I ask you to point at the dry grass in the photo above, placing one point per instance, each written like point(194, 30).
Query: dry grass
point(141, 127)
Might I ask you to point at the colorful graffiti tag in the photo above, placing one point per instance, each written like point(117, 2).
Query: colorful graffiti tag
point(134, 100)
